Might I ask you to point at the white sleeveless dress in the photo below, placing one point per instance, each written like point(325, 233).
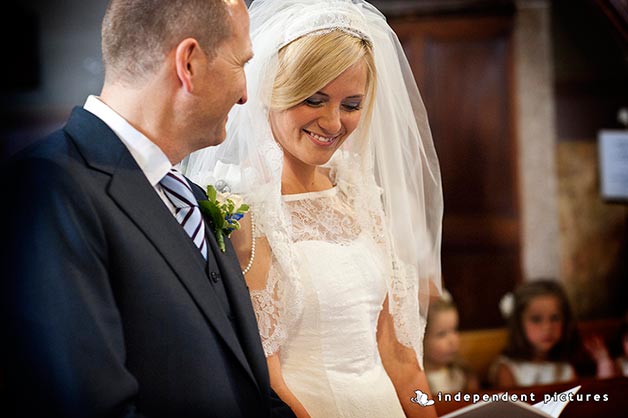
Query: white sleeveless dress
point(531, 373)
point(330, 360)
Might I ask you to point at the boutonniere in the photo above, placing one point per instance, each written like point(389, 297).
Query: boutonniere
point(224, 210)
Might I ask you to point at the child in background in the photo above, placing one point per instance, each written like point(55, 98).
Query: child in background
point(444, 370)
point(622, 361)
point(596, 348)
point(541, 337)
point(607, 366)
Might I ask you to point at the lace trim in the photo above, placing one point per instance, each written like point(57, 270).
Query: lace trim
point(404, 308)
point(267, 314)
point(322, 216)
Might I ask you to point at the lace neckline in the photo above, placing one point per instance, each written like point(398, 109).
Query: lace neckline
point(310, 195)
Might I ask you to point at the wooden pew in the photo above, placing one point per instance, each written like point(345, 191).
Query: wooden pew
point(478, 348)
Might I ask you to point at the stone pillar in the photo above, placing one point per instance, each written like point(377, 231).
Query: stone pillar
point(536, 136)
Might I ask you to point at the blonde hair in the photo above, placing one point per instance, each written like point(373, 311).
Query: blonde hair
point(442, 304)
point(310, 62)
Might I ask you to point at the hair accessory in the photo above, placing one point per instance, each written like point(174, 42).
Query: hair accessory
point(507, 305)
point(312, 20)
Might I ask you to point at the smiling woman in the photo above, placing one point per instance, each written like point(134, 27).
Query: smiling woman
point(333, 152)
point(313, 130)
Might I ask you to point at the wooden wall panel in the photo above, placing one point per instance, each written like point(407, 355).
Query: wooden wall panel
point(464, 70)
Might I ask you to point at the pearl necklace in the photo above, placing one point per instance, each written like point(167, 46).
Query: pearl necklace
point(248, 266)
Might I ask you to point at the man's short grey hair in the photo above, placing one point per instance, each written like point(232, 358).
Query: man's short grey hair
point(138, 34)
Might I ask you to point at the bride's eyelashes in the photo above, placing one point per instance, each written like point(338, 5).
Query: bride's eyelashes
point(349, 106)
point(352, 107)
point(314, 102)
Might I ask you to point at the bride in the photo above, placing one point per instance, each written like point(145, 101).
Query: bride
point(342, 249)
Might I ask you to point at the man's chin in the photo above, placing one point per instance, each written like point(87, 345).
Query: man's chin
point(216, 139)
point(220, 139)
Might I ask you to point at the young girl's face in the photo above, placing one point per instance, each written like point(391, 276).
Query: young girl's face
point(543, 323)
point(442, 339)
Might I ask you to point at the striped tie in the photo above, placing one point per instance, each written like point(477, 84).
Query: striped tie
point(187, 211)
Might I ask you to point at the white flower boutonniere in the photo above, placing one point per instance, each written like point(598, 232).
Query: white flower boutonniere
point(224, 210)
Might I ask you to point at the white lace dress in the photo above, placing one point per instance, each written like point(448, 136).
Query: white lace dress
point(330, 359)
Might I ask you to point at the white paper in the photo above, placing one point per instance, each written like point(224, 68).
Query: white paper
point(613, 160)
point(501, 409)
point(498, 409)
point(554, 408)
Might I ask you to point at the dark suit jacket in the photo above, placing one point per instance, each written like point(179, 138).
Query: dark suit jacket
point(110, 309)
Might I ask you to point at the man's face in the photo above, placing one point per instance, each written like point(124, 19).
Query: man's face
point(224, 83)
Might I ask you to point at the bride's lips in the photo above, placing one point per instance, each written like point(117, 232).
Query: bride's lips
point(321, 140)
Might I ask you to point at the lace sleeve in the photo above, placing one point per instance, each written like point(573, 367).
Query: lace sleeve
point(267, 312)
point(272, 284)
point(404, 305)
point(262, 277)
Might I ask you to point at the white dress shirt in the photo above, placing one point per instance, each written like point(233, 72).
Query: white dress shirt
point(149, 157)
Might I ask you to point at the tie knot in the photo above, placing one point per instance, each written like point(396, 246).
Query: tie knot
point(178, 190)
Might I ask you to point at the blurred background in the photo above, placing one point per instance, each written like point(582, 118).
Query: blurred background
point(517, 92)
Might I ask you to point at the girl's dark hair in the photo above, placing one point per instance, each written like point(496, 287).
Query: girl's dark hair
point(517, 345)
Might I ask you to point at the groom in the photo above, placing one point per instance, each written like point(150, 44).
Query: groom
point(116, 298)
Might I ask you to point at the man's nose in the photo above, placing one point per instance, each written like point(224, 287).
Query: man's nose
point(244, 97)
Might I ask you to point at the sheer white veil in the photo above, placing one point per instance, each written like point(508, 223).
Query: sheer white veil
point(391, 164)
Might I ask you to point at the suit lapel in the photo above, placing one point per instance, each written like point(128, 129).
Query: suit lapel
point(130, 189)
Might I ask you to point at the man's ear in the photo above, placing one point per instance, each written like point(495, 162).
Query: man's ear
point(187, 63)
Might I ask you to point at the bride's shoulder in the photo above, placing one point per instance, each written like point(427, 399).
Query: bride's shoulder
point(253, 252)
point(242, 238)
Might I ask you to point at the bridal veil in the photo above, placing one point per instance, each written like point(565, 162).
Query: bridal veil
point(390, 162)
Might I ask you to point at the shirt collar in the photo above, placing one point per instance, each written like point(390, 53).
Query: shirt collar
point(150, 158)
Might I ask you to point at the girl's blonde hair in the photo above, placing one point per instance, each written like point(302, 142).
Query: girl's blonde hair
point(443, 303)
